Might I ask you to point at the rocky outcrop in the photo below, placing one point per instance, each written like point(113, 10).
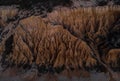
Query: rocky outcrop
point(35, 41)
point(84, 26)
point(63, 41)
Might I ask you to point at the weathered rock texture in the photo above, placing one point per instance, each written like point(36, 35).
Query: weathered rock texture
point(35, 41)
point(64, 40)
point(87, 24)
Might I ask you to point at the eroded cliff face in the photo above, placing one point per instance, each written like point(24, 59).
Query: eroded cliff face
point(66, 39)
point(66, 44)
point(44, 44)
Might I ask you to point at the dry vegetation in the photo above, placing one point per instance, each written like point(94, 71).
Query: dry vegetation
point(64, 39)
point(83, 21)
point(34, 41)
point(8, 13)
point(113, 57)
point(93, 24)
